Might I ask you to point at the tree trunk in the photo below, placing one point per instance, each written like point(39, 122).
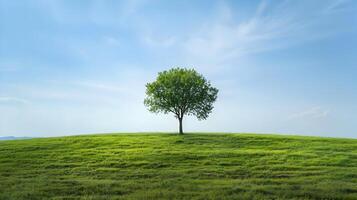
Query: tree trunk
point(180, 126)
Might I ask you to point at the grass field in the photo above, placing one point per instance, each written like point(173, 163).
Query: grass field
point(169, 166)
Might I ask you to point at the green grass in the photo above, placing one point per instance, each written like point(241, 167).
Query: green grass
point(169, 166)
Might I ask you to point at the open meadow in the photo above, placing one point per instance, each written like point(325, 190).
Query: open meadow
point(170, 166)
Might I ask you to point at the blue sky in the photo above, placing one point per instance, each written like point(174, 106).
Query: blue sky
point(72, 67)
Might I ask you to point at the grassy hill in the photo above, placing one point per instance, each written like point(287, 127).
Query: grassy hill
point(168, 166)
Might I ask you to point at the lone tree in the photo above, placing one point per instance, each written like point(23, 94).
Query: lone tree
point(182, 92)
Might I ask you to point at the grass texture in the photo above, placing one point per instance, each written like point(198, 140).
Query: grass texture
point(170, 166)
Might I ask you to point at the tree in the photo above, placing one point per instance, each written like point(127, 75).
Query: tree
point(182, 92)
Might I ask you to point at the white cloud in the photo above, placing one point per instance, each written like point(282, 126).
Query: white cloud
point(101, 86)
point(271, 27)
point(311, 113)
point(97, 12)
point(6, 100)
point(336, 6)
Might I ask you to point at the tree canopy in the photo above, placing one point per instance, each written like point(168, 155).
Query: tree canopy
point(182, 92)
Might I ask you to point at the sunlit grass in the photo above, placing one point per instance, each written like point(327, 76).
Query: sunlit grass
point(169, 166)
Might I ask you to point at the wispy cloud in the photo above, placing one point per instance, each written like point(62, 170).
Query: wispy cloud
point(97, 12)
point(218, 39)
point(11, 100)
point(311, 113)
point(270, 27)
point(101, 86)
point(336, 6)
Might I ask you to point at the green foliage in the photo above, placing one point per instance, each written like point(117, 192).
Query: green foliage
point(167, 166)
point(182, 92)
